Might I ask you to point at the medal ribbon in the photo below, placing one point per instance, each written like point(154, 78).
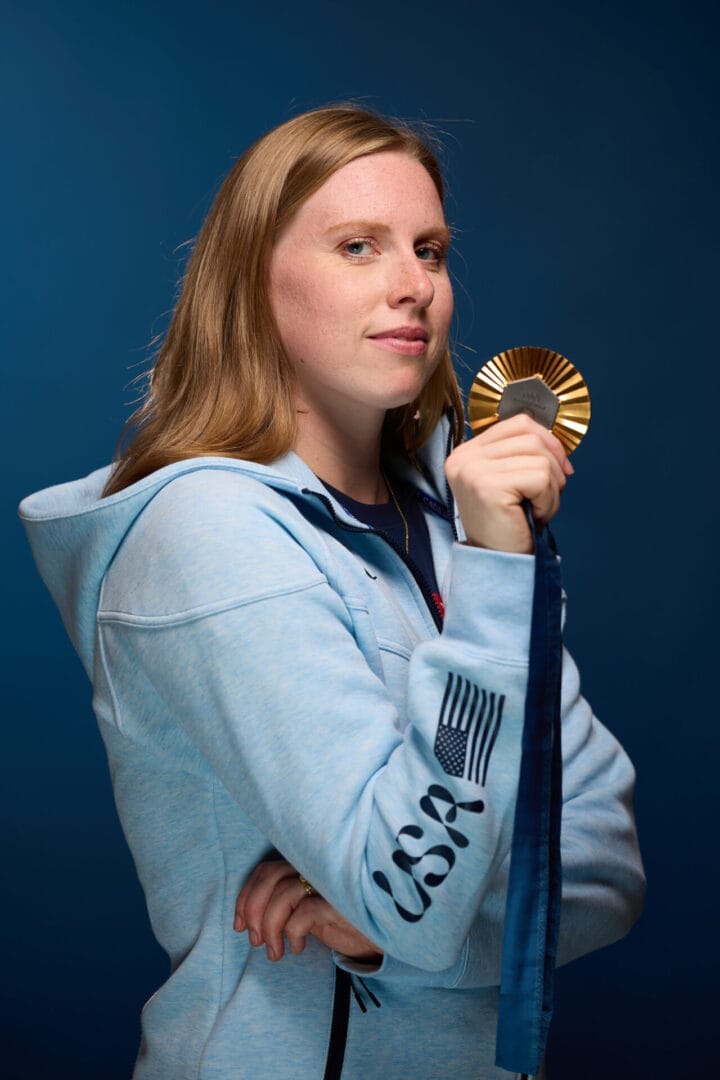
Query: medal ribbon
point(532, 911)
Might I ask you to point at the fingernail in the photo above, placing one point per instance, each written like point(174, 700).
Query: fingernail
point(271, 953)
point(254, 937)
point(239, 924)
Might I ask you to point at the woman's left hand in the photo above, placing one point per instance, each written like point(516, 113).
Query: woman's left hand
point(274, 901)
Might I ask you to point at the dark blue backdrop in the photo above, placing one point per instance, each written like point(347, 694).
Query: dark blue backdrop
point(580, 149)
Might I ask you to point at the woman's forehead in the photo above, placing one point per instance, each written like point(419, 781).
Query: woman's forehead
point(375, 188)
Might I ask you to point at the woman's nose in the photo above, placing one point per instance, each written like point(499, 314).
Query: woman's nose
point(410, 283)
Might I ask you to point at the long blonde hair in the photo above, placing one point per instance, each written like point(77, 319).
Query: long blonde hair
point(221, 384)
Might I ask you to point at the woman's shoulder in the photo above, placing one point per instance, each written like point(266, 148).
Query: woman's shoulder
point(219, 485)
point(216, 529)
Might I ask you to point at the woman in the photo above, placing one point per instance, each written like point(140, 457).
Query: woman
point(257, 591)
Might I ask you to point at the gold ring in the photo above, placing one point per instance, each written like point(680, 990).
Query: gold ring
point(306, 885)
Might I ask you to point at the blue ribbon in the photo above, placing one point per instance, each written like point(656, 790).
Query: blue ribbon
point(532, 911)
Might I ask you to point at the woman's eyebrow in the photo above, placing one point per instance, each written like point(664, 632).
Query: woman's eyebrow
point(434, 231)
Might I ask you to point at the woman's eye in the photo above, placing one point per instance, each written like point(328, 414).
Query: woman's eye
point(358, 249)
point(429, 253)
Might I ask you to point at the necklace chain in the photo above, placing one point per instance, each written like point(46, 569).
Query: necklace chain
point(399, 510)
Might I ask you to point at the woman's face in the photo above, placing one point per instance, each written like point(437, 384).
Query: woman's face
point(360, 290)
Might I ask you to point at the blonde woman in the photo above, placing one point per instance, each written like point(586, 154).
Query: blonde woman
point(305, 607)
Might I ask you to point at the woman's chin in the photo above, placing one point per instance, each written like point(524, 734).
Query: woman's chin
point(405, 387)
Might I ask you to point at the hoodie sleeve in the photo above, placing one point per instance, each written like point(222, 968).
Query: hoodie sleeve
point(603, 880)
point(219, 610)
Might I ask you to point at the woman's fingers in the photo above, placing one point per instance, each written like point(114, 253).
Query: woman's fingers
point(529, 443)
point(514, 472)
point(306, 916)
point(316, 916)
point(274, 902)
point(266, 902)
point(493, 474)
point(521, 426)
point(255, 894)
point(287, 896)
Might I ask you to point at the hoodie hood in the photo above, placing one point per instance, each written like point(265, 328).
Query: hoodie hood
point(75, 533)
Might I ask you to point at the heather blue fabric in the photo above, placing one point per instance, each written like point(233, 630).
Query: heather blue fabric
point(268, 677)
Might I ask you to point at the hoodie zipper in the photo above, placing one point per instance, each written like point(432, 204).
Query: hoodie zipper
point(343, 980)
point(338, 1026)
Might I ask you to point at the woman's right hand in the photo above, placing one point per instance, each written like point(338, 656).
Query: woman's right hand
point(274, 902)
point(491, 475)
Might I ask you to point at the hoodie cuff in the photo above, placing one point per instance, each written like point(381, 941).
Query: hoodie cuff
point(390, 968)
point(492, 592)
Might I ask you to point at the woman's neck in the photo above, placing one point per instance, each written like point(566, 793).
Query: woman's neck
point(348, 461)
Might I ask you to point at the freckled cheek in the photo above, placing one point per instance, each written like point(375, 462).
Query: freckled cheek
point(303, 292)
point(309, 317)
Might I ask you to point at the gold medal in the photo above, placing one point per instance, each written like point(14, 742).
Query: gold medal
point(536, 381)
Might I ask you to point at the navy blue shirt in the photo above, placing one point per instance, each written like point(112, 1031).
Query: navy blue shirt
point(385, 519)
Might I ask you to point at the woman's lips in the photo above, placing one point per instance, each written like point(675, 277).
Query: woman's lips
point(402, 345)
point(408, 340)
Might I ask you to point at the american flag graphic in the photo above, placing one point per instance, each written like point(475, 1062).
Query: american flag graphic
point(468, 728)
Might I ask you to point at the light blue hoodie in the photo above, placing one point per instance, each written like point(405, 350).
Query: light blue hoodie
point(268, 677)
